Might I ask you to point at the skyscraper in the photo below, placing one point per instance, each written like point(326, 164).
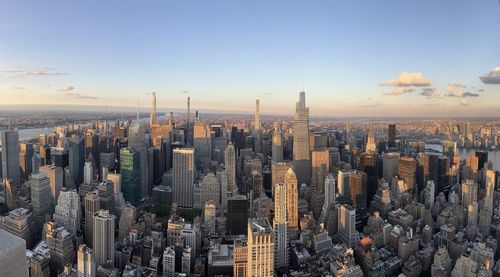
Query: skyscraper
point(230, 165)
point(260, 248)
point(60, 244)
point(127, 219)
point(292, 199)
point(320, 164)
point(240, 252)
point(257, 115)
point(86, 261)
point(56, 180)
point(104, 237)
point(280, 227)
point(130, 175)
point(347, 225)
point(12, 254)
point(76, 159)
point(202, 144)
point(40, 199)
point(301, 157)
point(68, 212)
point(330, 190)
point(358, 194)
point(277, 144)
point(152, 115)
point(10, 157)
point(183, 173)
point(278, 172)
point(169, 262)
point(18, 222)
point(26, 159)
point(407, 170)
point(371, 145)
point(391, 137)
point(92, 205)
point(237, 214)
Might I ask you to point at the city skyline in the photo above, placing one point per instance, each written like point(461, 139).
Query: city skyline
point(224, 55)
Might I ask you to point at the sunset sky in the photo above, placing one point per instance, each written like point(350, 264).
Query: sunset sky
point(353, 58)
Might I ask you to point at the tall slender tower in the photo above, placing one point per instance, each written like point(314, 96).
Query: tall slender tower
point(292, 196)
point(188, 122)
point(257, 115)
point(301, 159)
point(280, 227)
point(152, 116)
point(104, 237)
point(230, 165)
point(92, 205)
point(10, 156)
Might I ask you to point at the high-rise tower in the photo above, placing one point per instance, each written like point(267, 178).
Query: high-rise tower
point(152, 116)
point(292, 197)
point(260, 248)
point(280, 227)
point(183, 173)
point(257, 115)
point(10, 157)
point(301, 159)
point(104, 237)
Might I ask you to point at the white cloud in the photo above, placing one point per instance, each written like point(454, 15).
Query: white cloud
point(464, 102)
point(67, 88)
point(456, 90)
point(399, 91)
point(407, 79)
point(26, 72)
point(492, 77)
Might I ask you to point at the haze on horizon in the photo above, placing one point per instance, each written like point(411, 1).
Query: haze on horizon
point(353, 59)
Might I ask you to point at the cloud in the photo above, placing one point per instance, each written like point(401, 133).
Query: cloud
point(28, 72)
point(399, 91)
point(428, 92)
point(184, 92)
point(18, 88)
point(456, 90)
point(87, 97)
point(480, 90)
point(464, 102)
point(67, 88)
point(492, 77)
point(407, 79)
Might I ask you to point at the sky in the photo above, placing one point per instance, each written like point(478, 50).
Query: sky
point(353, 58)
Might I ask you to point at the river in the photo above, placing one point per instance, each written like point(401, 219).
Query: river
point(493, 156)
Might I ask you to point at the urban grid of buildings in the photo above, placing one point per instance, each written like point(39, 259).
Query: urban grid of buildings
point(257, 198)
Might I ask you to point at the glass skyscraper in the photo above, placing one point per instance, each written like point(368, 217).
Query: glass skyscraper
point(131, 175)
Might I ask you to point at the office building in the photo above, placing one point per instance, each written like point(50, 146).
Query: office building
point(127, 219)
point(40, 199)
point(320, 168)
point(12, 255)
point(301, 159)
point(240, 258)
point(202, 144)
point(230, 166)
point(260, 248)
point(292, 199)
point(391, 136)
point(68, 212)
point(277, 143)
point(19, 222)
point(183, 174)
point(169, 262)
point(92, 205)
point(26, 159)
point(104, 237)
point(60, 243)
point(278, 172)
point(56, 180)
point(407, 169)
point(10, 157)
point(130, 172)
point(106, 194)
point(76, 159)
point(347, 225)
point(280, 228)
point(237, 214)
point(86, 261)
point(390, 163)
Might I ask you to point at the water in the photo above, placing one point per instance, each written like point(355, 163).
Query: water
point(493, 156)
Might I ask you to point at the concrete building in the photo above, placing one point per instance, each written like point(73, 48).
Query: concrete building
point(280, 228)
point(12, 255)
point(260, 248)
point(301, 157)
point(183, 174)
point(68, 211)
point(104, 237)
point(85, 261)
